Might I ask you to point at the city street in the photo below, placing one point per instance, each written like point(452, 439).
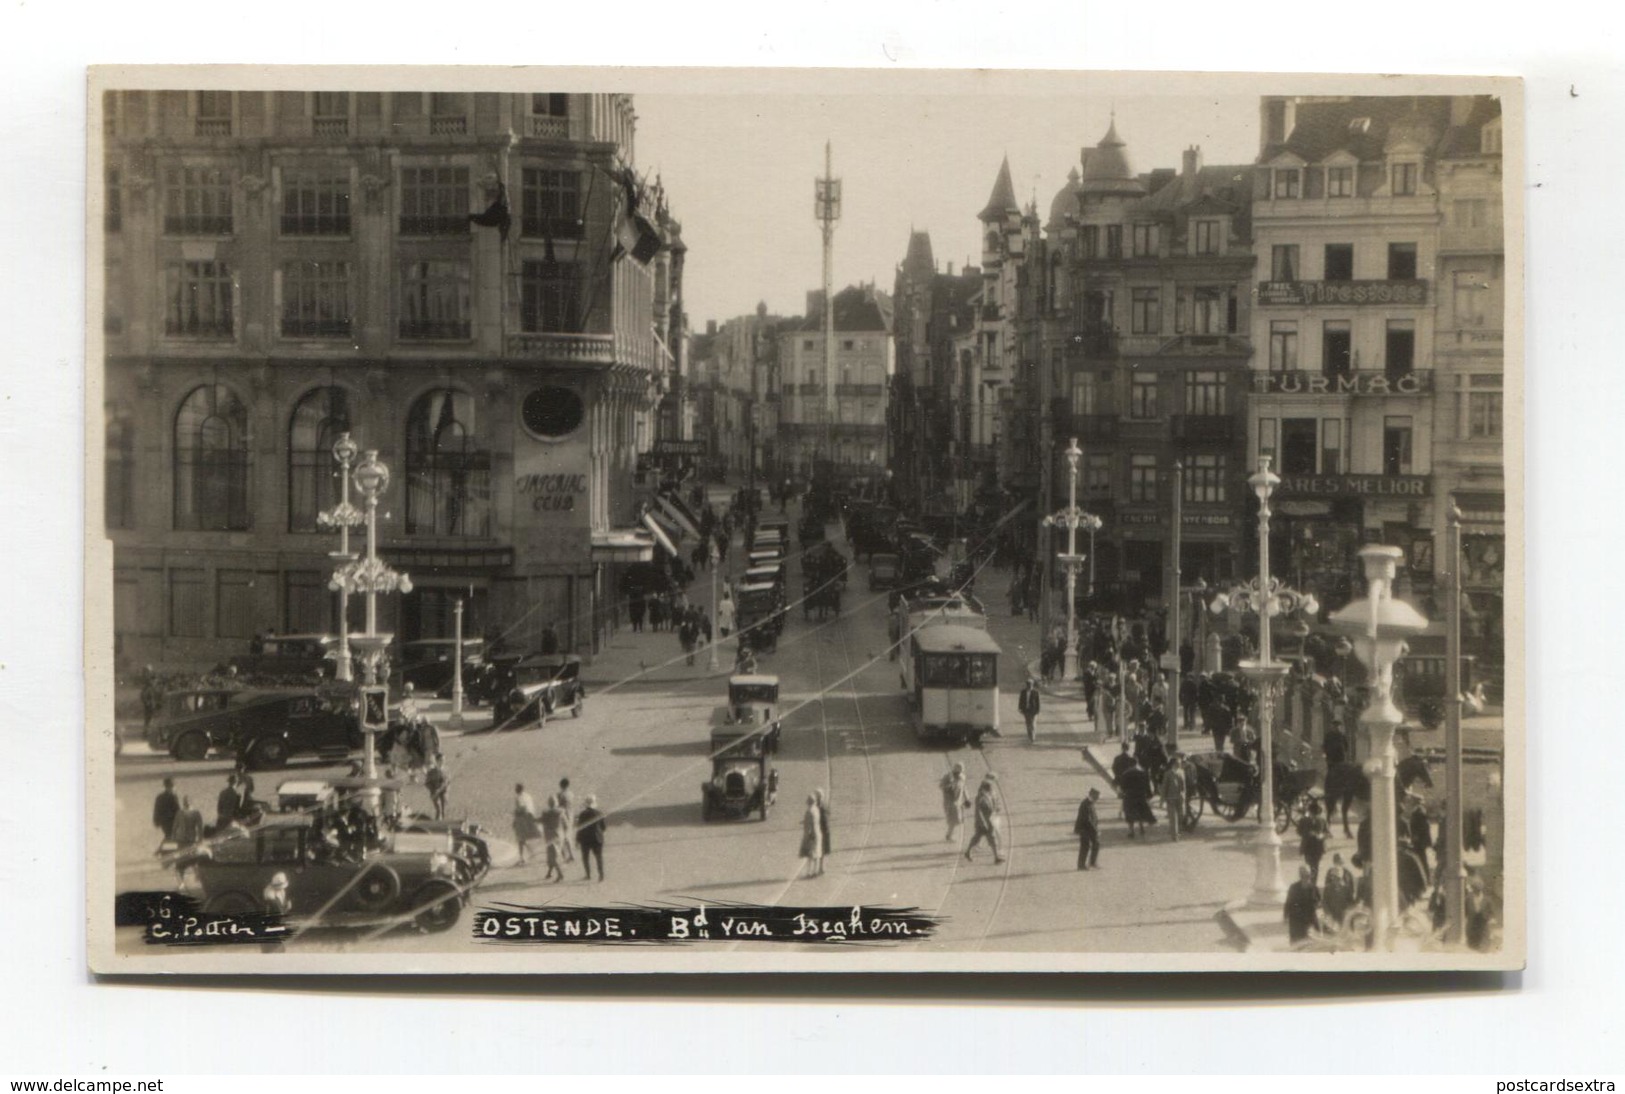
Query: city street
point(642, 749)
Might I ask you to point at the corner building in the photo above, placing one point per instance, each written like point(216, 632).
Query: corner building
point(287, 266)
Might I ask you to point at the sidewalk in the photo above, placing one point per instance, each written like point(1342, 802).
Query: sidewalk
point(653, 657)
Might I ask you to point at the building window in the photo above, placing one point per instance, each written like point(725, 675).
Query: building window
point(214, 113)
point(1396, 445)
point(199, 300)
point(197, 201)
point(550, 204)
point(1331, 446)
point(1268, 441)
point(1287, 182)
point(330, 112)
point(1471, 297)
point(448, 475)
point(848, 344)
point(1142, 478)
point(448, 112)
point(1204, 393)
point(1143, 395)
point(1401, 262)
point(1400, 358)
point(434, 300)
point(550, 104)
point(1205, 233)
point(1097, 474)
point(1339, 262)
point(550, 294)
point(1339, 182)
point(1146, 311)
point(1091, 241)
point(1283, 345)
point(307, 602)
point(434, 201)
point(211, 462)
point(806, 343)
point(113, 210)
point(1210, 310)
point(1085, 394)
point(1469, 212)
point(316, 300)
point(1299, 442)
point(1205, 479)
point(1404, 177)
point(1483, 407)
point(316, 202)
point(186, 603)
point(1114, 241)
point(1336, 354)
point(1145, 241)
point(313, 473)
point(1284, 262)
point(118, 485)
point(234, 608)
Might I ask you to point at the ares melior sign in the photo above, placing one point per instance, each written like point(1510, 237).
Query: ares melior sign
point(1355, 486)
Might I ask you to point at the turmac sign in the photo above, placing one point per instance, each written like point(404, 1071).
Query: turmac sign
point(1342, 383)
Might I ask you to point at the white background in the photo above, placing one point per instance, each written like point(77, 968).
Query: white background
point(1561, 1017)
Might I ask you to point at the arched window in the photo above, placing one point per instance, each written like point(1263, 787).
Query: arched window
point(119, 487)
point(211, 461)
point(448, 474)
point(313, 473)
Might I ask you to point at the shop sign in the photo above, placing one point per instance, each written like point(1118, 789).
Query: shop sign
point(551, 493)
point(1190, 520)
point(680, 448)
point(1345, 383)
point(1310, 293)
point(1356, 486)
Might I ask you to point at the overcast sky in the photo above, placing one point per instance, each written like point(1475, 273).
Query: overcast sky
point(739, 173)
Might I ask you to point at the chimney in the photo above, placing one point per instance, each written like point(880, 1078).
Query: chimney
point(1192, 162)
point(710, 326)
point(950, 269)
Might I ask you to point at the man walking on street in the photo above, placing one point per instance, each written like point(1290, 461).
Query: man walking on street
point(1302, 907)
point(1028, 705)
point(987, 819)
point(590, 836)
point(228, 805)
point(1173, 794)
point(165, 808)
point(1087, 829)
point(1187, 701)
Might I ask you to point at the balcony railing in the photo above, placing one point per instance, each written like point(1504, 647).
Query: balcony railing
point(860, 390)
point(331, 127)
point(575, 349)
point(1204, 428)
point(1093, 343)
point(809, 389)
point(543, 126)
point(448, 126)
point(214, 127)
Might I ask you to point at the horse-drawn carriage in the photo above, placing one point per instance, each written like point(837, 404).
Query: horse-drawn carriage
point(761, 615)
point(823, 572)
point(1231, 787)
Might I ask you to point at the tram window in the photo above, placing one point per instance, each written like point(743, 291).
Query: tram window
point(938, 672)
point(979, 672)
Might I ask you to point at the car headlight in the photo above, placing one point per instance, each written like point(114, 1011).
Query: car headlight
point(442, 865)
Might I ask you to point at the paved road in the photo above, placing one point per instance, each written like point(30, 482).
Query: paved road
point(643, 750)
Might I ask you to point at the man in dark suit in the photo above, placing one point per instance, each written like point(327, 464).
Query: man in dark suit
point(1420, 831)
point(229, 805)
point(1336, 745)
point(1087, 829)
point(1028, 704)
point(1302, 904)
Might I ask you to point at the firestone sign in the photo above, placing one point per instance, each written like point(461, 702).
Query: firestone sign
point(1343, 383)
point(1309, 293)
point(1355, 486)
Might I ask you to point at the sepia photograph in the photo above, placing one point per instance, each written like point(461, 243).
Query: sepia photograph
point(629, 520)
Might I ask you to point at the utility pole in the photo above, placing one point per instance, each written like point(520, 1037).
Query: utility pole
point(827, 202)
point(1046, 485)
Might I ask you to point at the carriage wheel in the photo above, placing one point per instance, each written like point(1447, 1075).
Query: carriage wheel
point(1286, 810)
point(1193, 810)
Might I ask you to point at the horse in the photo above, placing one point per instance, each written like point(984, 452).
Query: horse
point(1348, 782)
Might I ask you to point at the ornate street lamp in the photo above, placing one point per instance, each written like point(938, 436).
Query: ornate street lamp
point(370, 575)
point(1268, 598)
point(1072, 518)
point(343, 516)
point(716, 561)
point(1377, 626)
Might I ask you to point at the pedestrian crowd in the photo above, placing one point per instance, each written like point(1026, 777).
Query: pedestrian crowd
point(560, 830)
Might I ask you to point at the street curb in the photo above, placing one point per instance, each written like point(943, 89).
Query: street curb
point(1255, 928)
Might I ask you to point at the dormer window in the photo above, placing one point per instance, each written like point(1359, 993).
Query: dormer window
point(1404, 179)
point(1339, 182)
point(1287, 182)
point(1145, 241)
point(1207, 237)
point(1359, 125)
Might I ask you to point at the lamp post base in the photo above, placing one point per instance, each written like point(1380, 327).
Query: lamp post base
point(1269, 888)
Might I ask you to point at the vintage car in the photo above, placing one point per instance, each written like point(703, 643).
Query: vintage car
point(770, 574)
point(883, 571)
point(402, 877)
point(760, 615)
point(413, 831)
point(753, 708)
point(290, 655)
point(530, 688)
point(428, 664)
point(261, 728)
point(741, 783)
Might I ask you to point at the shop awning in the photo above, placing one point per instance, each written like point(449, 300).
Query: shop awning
point(1482, 513)
point(659, 535)
point(622, 545)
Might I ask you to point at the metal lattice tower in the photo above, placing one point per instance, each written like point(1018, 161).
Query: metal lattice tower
point(827, 208)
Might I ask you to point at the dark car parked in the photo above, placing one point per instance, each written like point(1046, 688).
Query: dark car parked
point(428, 664)
point(261, 728)
point(288, 655)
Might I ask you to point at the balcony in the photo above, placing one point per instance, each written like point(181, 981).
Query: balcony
point(1088, 427)
point(860, 391)
point(591, 350)
point(809, 389)
point(1092, 342)
point(1414, 382)
point(1306, 294)
point(331, 127)
point(448, 126)
point(1204, 428)
point(549, 127)
point(214, 127)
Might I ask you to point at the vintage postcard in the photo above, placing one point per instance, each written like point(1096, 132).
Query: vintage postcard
point(630, 520)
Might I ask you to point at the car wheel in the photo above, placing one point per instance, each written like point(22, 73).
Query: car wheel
point(191, 747)
point(232, 904)
point(268, 753)
point(376, 888)
point(436, 906)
